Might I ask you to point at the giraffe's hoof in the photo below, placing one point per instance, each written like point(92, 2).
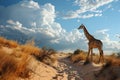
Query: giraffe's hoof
point(86, 62)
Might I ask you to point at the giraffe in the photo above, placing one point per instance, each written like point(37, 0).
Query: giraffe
point(93, 43)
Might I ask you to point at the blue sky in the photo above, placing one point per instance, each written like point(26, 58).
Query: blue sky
point(56, 21)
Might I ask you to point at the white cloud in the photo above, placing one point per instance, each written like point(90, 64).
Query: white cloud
point(16, 24)
point(98, 15)
point(73, 15)
point(70, 15)
point(87, 16)
point(30, 4)
point(87, 6)
point(91, 4)
point(109, 45)
point(11, 22)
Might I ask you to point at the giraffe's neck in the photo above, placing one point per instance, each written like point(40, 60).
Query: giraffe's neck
point(88, 36)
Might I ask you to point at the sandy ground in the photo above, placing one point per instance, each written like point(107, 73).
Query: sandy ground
point(64, 70)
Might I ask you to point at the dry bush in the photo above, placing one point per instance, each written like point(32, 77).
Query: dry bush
point(22, 66)
point(112, 61)
point(11, 68)
point(78, 55)
point(81, 55)
point(12, 44)
point(8, 43)
point(7, 66)
point(2, 41)
point(16, 64)
point(44, 54)
point(30, 48)
point(50, 60)
point(50, 57)
point(111, 70)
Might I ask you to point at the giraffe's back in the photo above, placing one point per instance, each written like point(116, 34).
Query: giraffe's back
point(95, 44)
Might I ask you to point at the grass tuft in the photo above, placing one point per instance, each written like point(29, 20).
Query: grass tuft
point(78, 55)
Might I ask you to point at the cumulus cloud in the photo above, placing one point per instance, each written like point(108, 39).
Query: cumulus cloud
point(30, 4)
point(85, 6)
point(60, 40)
point(38, 21)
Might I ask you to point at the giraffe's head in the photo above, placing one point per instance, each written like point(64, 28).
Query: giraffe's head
point(81, 26)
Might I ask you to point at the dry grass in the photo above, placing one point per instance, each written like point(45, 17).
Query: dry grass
point(81, 55)
point(49, 57)
point(31, 49)
point(111, 70)
point(78, 55)
point(7, 66)
point(8, 43)
point(112, 61)
point(22, 66)
point(15, 65)
point(50, 60)
point(12, 67)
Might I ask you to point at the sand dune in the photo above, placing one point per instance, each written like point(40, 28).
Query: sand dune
point(25, 63)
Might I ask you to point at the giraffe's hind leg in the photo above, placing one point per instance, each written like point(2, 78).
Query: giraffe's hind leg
point(102, 56)
point(101, 59)
point(87, 58)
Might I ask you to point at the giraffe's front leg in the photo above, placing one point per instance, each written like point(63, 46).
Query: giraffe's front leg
point(87, 58)
point(91, 55)
point(102, 56)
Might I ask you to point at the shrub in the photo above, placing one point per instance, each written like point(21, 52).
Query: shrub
point(111, 70)
point(49, 57)
point(7, 66)
point(77, 51)
point(78, 55)
point(30, 49)
point(11, 67)
point(8, 43)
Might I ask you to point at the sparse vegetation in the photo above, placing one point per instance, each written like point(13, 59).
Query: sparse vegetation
point(15, 63)
point(8, 43)
point(15, 60)
point(78, 55)
point(110, 71)
point(12, 67)
point(50, 58)
point(118, 54)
